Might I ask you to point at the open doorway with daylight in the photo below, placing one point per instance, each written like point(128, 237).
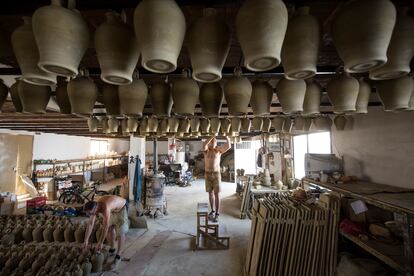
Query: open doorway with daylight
point(309, 143)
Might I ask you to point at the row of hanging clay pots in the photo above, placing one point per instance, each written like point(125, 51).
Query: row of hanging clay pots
point(51, 259)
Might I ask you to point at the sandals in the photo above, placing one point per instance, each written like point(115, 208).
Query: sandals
point(211, 215)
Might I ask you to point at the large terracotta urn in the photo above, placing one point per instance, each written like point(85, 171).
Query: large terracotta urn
point(215, 124)
point(4, 92)
point(301, 45)
point(261, 27)
point(14, 94)
point(340, 122)
point(291, 95)
point(361, 32)
point(245, 125)
point(117, 50)
point(27, 55)
point(93, 124)
point(209, 40)
point(82, 94)
point(132, 97)
point(323, 123)
point(62, 37)
point(34, 98)
point(312, 101)
point(225, 126)
point(400, 51)
point(211, 98)
point(185, 94)
point(257, 123)
point(160, 30)
point(161, 98)
point(343, 92)
point(132, 124)
point(62, 97)
point(363, 97)
point(277, 123)
point(204, 126)
point(261, 99)
point(238, 91)
point(395, 94)
point(111, 99)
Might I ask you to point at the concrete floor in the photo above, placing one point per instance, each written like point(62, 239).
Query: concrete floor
point(167, 241)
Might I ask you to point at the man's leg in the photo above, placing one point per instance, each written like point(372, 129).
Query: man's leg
point(121, 243)
point(217, 201)
point(211, 198)
point(111, 239)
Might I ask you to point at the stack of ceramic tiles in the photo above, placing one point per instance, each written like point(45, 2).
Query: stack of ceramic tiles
point(289, 237)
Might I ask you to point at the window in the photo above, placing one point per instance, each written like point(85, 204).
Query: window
point(309, 143)
point(99, 147)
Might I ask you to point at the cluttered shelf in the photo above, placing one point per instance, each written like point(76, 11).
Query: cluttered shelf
point(54, 162)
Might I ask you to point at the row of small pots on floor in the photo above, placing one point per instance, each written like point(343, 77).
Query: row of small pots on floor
point(380, 43)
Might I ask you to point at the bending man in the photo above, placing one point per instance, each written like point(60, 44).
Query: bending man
point(212, 155)
point(114, 211)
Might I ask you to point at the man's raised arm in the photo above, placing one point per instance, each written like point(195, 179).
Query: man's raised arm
point(226, 147)
point(208, 141)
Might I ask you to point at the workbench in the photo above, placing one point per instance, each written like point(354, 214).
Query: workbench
point(395, 199)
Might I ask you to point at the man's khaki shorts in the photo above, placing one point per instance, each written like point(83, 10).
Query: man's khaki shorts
point(120, 221)
point(213, 181)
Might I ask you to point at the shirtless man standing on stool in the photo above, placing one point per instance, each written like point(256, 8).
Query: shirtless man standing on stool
point(212, 155)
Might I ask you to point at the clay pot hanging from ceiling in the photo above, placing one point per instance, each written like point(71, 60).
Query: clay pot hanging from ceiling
point(173, 124)
point(27, 55)
point(160, 29)
point(400, 51)
point(395, 94)
point(124, 127)
point(63, 42)
point(361, 32)
point(301, 45)
point(225, 126)
point(93, 124)
point(62, 97)
point(291, 95)
point(184, 126)
point(215, 124)
point(143, 126)
point(14, 94)
point(132, 97)
point(204, 126)
point(261, 99)
point(238, 91)
point(308, 124)
point(34, 98)
point(82, 94)
point(111, 99)
point(113, 125)
point(152, 125)
point(299, 123)
point(195, 126)
point(287, 125)
point(211, 98)
point(323, 123)
point(208, 44)
point(363, 97)
point(340, 122)
point(185, 93)
point(161, 99)
point(117, 49)
point(277, 123)
point(132, 124)
point(4, 92)
point(267, 123)
point(245, 125)
point(312, 101)
point(105, 127)
point(235, 125)
point(163, 126)
point(257, 123)
point(343, 92)
point(261, 27)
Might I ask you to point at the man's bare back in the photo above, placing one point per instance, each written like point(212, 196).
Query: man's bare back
point(110, 203)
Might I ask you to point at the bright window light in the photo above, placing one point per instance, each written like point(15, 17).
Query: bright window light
point(99, 147)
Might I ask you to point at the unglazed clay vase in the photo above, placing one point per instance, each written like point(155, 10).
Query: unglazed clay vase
point(14, 94)
point(312, 101)
point(225, 126)
point(62, 97)
point(343, 93)
point(34, 98)
point(69, 233)
point(291, 95)
point(323, 123)
point(195, 125)
point(363, 97)
point(82, 94)
point(58, 234)
point(267, 123)
point(277, 123)
point(235, 125)
point(124, 127)
point(113, 125)
point(163, 127)
point(86, 268)
point(160, 28)
point(184, 126)
point(400, 50)
point(208, 44)
point(93, 124)
point(245, 125)
point(211, 98)
point(38, 233)
point(362, 41)
point(132, 124)
point(97, 262)
point(261, 99)
point(340, 122)
point(27, 55)
point(143, 126)
point(117, 50)
point(4, 92)
point(308, 124)
point(48, 233)
point(257, 123)
point(80, 234)
point(173, 124)
point(215, 124)
point(111, 99)
point(238, 91)
point(152, 124)
point(299, 123)
point(301, 45)
point(61, 43)
point(105, 127)
point(260, 40)
point(395, 94)
point(161, 98)
point(204, 126)
point(287, 125)
point(185, 93)
point(132, 97)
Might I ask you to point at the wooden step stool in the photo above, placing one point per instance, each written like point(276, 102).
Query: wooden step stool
point(209, 234)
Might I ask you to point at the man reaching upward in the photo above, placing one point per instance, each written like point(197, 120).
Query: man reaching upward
point(212, 155)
